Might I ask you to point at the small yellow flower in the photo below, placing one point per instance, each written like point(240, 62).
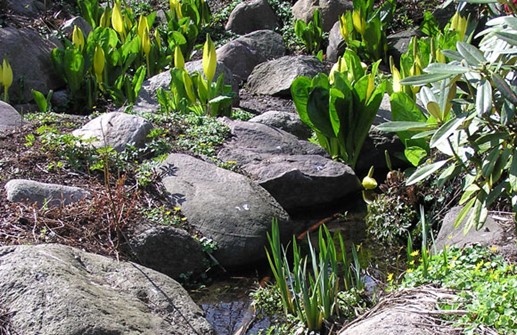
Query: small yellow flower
point(415, 253)
point(390, 277)
point(177, 209)
point(409, 270)
point(493, 248)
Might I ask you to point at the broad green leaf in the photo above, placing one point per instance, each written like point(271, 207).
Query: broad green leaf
point(484, 98)
point(446, 68)
point(508, 37)
point(41, 101)
point(468, 193)
point(317, 110)
point(425, 171)
point(300, 89)
point(490, 161)
point(463, 213)
point(425, 79)
point(472, 55)
point(447, 173)
point(446, 130)
point(504, 88)
point(415, 155)
point(513, 171)
point(395, 126)
point(500, 165)
point(434, 109)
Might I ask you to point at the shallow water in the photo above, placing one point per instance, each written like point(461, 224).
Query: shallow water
point(226, 304)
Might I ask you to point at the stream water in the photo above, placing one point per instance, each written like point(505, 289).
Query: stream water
point(226, 302)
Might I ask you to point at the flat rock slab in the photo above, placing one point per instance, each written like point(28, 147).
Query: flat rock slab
point(50, 195)
point(56, 289)
point(225, 206)
point(276, 76)
point(9, 117)
point(409, 311)
point(289, 122)
point(117, 130)
point(295, 172)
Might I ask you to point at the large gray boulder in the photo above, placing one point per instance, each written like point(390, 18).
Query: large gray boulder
point(29, 8)
point(244, 53)
point(276, 76)
point(330, 10)
point(115, 129)
point(295, 172)
point(56, 289)
point(498, 231)
point(29, 56)
point(336, 45)
point(50, 195)
point(168, 250)
point(224, 206)
point(250, 16)
point(9, 117)
point(147, 101)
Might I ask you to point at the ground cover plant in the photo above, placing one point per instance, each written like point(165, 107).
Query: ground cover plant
point(484, 282)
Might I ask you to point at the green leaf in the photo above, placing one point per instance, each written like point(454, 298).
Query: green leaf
point(415, 155)
point(425, 79)
point(395, 126)
point(484, 98)
point(317, 110)
point(511, 38)
point(472, 55)
point(490, 161)
point(513, 172)
point(425, 171)
point(300, 93)
point(505, 89)
point(446, 130)
point(463, 213)
point(446, 68)
point(41, 101)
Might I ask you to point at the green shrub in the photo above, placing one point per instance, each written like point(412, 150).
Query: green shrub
point(477, 140)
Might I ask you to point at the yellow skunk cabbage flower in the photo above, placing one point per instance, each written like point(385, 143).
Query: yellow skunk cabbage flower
point(395, 77)
point(105, 18)
point(78, 38)
point(142, 24)
point(340, 66)
point(146, 41)
point(157, 38)
point(359, 22)
point(209, 59)
point(117, 21)
point(176, 7)
point(98, 63)
point(459, 25)
point(179, 61)
point(187, 83)
point(343, 27)
point(7, 77)
point(369, 183)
